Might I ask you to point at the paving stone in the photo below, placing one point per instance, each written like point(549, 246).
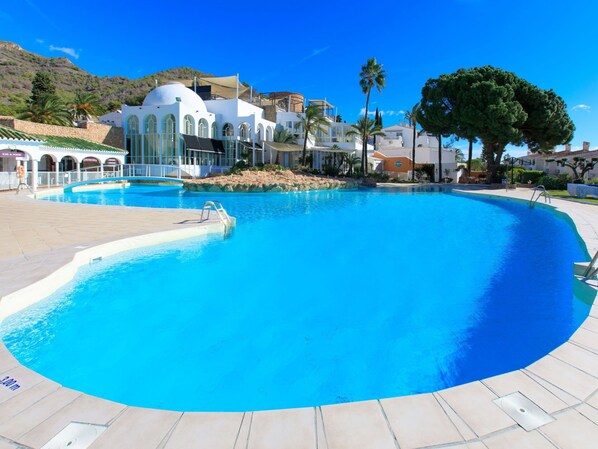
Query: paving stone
point(473, 403)
point(518, 381)
point(205, 430)
point(85, 409)
point(357, 425)
point(564, 376)
point(518, 438)
point(137, 428)
point(571, 430)
point(31, 417)
point(419, 421)
point(283, 429)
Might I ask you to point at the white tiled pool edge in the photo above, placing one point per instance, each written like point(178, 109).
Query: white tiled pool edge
point(564, 383)
point(35, 292)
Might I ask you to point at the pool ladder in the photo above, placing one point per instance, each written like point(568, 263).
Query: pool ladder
point(592, 269)
point(541, 192)
point(223, 216)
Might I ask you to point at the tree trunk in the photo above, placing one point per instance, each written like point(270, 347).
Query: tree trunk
point(493, 152)
point(364, 146)
point(413, 154)
point(305, 148)
point(469, 156)
point(440, 158)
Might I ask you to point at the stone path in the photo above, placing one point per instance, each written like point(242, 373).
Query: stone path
point(40, 236)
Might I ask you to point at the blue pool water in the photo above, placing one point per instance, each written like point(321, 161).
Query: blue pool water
point(317, 298)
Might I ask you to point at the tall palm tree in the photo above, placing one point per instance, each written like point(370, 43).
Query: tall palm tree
point(84, 105)
point(372, 75)
point(312, 122)
point(411, 117)
point(47, 109)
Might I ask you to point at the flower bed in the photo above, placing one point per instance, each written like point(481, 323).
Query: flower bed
point(268, 181)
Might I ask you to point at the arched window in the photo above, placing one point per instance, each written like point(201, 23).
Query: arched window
point(202, 128)
point(259, 135)
point(228, 131)
point(244, 131)
point(151, 140)
point(230, 147)
point(169, 141)
point(189, 125)
point(133, 140)
point(214, 131)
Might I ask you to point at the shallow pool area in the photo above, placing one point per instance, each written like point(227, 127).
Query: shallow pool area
point(317, 298)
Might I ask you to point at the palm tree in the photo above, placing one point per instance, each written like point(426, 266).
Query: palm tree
point(372, 75)
point(281, 135)
point(84, 105)
point(47, 109)
point(365, 128)
point(351, 160)
point(411, 117)
point(312, 122)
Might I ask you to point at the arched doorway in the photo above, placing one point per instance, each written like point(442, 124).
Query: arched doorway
point(47, 163)
point(88, 163)
point(69, 163)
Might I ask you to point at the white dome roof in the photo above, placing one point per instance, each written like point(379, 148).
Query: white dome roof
point(171, 93)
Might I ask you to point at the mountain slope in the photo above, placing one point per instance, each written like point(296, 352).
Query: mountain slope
point(18, 67)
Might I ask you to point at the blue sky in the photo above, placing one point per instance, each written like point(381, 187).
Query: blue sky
point(317, 48)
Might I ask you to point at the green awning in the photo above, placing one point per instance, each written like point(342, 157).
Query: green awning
point(14, 134)
point(78, 144)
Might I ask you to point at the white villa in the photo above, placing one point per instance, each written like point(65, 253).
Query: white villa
point(323, 145)
point(395, 151)
point(174, 126)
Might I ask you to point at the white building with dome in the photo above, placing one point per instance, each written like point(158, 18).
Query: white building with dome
point(174, 126)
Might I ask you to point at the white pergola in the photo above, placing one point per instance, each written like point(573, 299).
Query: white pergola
point(22, 147)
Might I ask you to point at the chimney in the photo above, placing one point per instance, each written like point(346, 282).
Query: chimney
point(568, 148)
point(585, 146)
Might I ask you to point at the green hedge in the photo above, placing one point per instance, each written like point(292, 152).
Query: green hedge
point(558, 182)
point(531, 175)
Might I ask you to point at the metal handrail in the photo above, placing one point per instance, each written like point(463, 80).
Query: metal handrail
point(541, 192)
point(220, 211)
point(592, 269)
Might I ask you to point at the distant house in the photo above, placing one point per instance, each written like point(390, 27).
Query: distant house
point(324, 146)
point(540, 161)
point(395, 151)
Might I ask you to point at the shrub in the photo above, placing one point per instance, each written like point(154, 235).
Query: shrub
point(380, 177)
point(239, 166)
point(558, 182)
point(593, 181)
point(331, 170)
point(531, 176)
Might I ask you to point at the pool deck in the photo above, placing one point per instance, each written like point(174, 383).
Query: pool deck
point(39, 237)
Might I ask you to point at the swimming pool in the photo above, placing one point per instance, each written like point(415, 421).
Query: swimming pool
point(317, 298)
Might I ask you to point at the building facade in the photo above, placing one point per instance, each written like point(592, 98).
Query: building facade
point(547, 162)
point(395, 151)
point(174, 126)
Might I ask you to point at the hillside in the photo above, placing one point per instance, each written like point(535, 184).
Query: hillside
point(18, 67)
